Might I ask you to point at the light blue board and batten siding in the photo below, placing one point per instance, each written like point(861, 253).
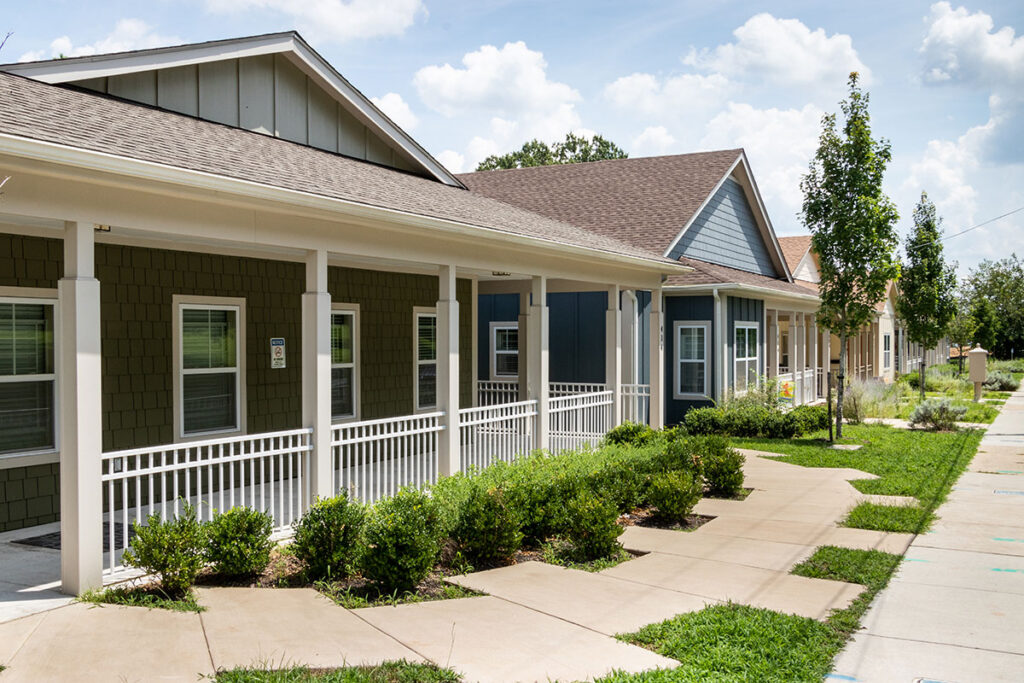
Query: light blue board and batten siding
point(726, 233)
point(266, 94)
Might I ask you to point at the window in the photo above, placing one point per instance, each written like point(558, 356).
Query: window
point(887, 350)
point(504, 350)
point(691, 367)
point(746, 352)
point(27, 376)
point(784, 351)
point(209, 394)
point(425, 353)
point(344, 361)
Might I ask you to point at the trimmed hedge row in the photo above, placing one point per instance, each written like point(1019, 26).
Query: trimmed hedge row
point(747, 419)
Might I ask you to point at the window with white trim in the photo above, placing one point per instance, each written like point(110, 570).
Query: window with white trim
point(887, 350)
point(425, 354)
point(28, 393)
point(210, 378)
point(504, 350)
point(747, 353)
point(692, 342)
point(344, 361)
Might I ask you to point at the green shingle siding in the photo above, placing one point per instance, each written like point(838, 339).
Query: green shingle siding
point(29, 496)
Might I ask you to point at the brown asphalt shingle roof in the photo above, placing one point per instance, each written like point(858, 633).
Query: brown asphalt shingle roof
point(711, 274)
point(794, 248)
point(90, 121)
point(643, 201)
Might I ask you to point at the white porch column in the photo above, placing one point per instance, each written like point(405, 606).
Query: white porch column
point(656, 351)
point(538, 385)
point(826, 359)
point(812, 353)
point(613, 352)
point(81, 415)
point(474, 293)
point(524, 346)
point(772, 369)
point(448, 456)
point(800, 361)
point(316, 372)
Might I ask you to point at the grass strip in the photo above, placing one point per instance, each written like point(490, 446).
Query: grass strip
point(389, 672)
point(151, 597)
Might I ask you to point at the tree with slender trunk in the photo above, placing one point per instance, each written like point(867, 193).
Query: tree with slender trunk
point(927, 300)
point(852, 224)
point(962, 329)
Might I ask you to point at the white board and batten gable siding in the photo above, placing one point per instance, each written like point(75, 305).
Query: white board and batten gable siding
point(807, 270)
point(725, 232)
point(264, 93)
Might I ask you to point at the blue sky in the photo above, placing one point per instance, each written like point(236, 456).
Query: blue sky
point(472, 78)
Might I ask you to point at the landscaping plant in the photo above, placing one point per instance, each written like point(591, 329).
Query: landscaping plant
point(1000, 381)
point(401, 540)
point(238, 541)
point(486, 529)
point(172, 549)
point(675, 494)
point(631, 434)
point(591, 525)
point(327, 537)
point(938, 414)
point(723, 470)
point(703, 421)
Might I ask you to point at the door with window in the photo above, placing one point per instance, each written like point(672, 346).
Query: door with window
point(746, 351)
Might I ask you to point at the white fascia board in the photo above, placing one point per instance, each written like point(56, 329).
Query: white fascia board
point(290, 44)
point(700, 208)
point(736, 286)
point(767, 230)
point(49, 152)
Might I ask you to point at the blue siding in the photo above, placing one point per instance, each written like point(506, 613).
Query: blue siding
point(685, 308)
point(744, 310)
point(492, 308)
point(726, 233)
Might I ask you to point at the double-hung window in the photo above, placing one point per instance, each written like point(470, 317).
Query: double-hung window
point(692, 342)
point(210, 382)
point(344, 361)
point(504, 350)
point(27, 376)
point(746, 353)
point(425, 355)
point(887, 351)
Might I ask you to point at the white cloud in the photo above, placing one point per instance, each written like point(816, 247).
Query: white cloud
point(397, 110)
point(128, 34)
point(334, 20)
point(653, 140)
point(784, 52)
point(961, 46)
point(667, 97)
point(453, 161)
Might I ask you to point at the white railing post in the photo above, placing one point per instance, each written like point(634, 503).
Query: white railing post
point(657, 360)
point(613, 353)
point(772, 324)
point(448, 459)
point(524, 347)
point(316, 373)
point(800, 364)
point(812, 352)
point(537, 381)
point(81, 417)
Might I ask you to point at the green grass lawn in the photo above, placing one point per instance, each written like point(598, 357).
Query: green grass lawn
point(142, 596)
point(908, 463)
point(388, 672)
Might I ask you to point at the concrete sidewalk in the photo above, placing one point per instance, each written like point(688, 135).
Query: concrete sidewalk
point(955, 609)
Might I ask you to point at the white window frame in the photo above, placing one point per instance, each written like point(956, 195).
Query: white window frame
point(887, 350)
point(180, 303)
point(677, 361)
point(49, 297)
point(417, 313)
point(747, 325)
point(495, 326)
point(357, 401)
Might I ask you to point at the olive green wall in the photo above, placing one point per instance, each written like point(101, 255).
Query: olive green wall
point(29, 496)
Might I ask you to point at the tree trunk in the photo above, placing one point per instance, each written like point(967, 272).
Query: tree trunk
point(921, 373)
point(840, 387)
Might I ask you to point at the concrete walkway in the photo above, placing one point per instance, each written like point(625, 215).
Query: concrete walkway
point(537, 622)
point(955, 609)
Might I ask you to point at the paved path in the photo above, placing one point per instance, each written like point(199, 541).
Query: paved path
point(537, 621)
point(955, 609)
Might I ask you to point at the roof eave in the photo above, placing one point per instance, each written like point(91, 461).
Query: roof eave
point(727, 286)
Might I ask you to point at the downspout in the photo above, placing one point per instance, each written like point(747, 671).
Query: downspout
point(721, 355)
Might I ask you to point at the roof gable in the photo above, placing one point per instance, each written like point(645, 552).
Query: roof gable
point(274, 84)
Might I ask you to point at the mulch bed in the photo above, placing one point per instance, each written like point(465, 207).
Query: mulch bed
point(647, 517)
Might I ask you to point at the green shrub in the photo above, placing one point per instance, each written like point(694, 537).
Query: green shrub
point(487, 528)
point(675, 432)
point(238, 541)
point(401, 540)
point(810, 418)
point(938, 414)
point(723, 470)
point(631, 434)
point(779, 425)
point(703, 421)
point(171, 549)
point(683, 455)
point(675, 494)
point(591, 525)
point(327, 537)
point(1000, 381)
point(746, 419)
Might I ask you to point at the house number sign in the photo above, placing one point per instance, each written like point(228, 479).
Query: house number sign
point(276, 353)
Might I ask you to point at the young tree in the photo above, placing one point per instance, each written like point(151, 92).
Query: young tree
point(852, 224)
point(1002, 283)
point(984, 314)
point(927, 300)
point(961, 331)
point(573, 150)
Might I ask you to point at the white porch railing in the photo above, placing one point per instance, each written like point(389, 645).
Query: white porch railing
point(267, 472)
point(809, 386)
point(557, 389)
point(492, 433)
point(579, 419)
point(636, 403)
point(374, 458)
point(819, 382)
point(492, 393)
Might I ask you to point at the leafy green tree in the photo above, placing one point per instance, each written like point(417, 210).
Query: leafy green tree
point(960, 332)
point(984, 314)
point(852, 224)
point(573, 150)
point(927, 300)
point(1002, 283)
